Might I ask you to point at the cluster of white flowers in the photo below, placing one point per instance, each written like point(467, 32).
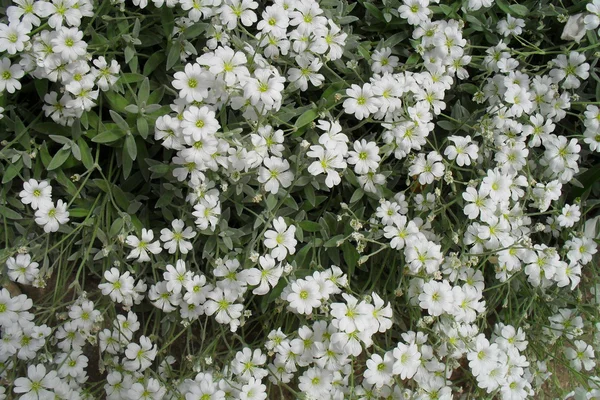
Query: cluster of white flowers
point(461, 214)
point(39, 196)
point(58, 55)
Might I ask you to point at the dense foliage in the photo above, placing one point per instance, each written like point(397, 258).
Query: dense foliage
point(234, 199)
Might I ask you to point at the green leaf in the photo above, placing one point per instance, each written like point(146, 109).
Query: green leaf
point(121, 123)
point(446, 125)
point(142, 127)
point(116, 101)
point(271, 201)
point(131, 146)
point(333, 241)
point(195, 30)
point(129, 53)
point(519, 9)
point(8, 213)
point(51, 128)
point(78, 212)
point(41, 87)
point(86, 154)
point(374, 11)
point(109, 136)
point(59, 159)
point(144, 91)
point(167, 20)
point(310, 226)
point(127, 166)
point(173, 56)
point(351, 257)
point(11, 171)
point(309, 193)
point(131, 77)
point(153, 62)
point(357, 195)
point(395, 39)
point(306, 118)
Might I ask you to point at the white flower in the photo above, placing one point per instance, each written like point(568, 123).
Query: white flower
point(51, 217)
point(72, 364)
point(304, 296)
point(478, 202)
point(361, 101)
point(581, 356)
point(463, 150)
point(176, 277)
point(247, 364)
point(69, 44)
point(383, 61)
point(140, 356)
point(483, 357)
point(267, 87)
point(84, 316)
point(61, 10)
point(193, 83)
point(25, 13)
point(118, 287)
point(233, 10)
point(199, 123)
point(365, 157)
point(429, 168)
point(207, 212)
point(510, 26)
point(408, 360)
point(281, 240)
point(10, 75)
point(400, 231)
point(571, 70)
point(437, 298)
point(196, 290)
point(106, 75)
point(329, 159)
point(268, 275)
point(14, 36)
point(275, 172)
point(415, 11)
point(142, 246)
point(222, 303)
point(37, 383)
point(22, 269)
point(275, 20)
point(299, 77)
point(226, 62)
point(352, 315)
point(177, 239)
point(569, 216)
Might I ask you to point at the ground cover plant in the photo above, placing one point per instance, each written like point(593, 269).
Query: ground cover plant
point(237, 199)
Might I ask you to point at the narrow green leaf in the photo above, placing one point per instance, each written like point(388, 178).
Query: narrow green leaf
point(351, 257)
point(357, 195)
point(306, 118)
point(131, 146)
point(173, 55)
point(144, 91)
point(309, 193)
point(59, 159)
point(310, 226)
point(11, 171)
point(109, 136)
point(116, 101)
point(153, 62)
point(8, 213)
point(86, 154)
point(142, 127)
